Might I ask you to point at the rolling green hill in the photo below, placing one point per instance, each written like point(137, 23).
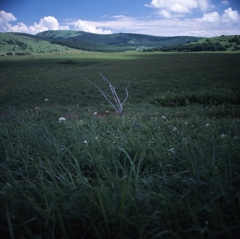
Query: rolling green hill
point(26, 44)
point(219, 43)
point(111, 42)
point(61, 41)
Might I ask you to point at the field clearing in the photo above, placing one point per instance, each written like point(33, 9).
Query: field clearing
point(70, 168)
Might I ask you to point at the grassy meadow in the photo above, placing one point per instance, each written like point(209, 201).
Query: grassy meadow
point(169, 169)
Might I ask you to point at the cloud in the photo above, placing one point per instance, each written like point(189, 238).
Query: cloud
point(46, 23)
point(164, 13)
point(180, 6)
point(49, 22)
point(210, 24)
point(88, 27)
point(225, 2)
point(210, 17)
point(230, 16)
point(5, 18)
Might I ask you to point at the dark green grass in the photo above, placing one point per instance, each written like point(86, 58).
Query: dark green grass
point(161, 173)
point(25, 81)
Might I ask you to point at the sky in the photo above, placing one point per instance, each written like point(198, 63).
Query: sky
point(205, 18)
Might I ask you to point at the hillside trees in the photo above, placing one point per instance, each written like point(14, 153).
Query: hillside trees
point(206, 46)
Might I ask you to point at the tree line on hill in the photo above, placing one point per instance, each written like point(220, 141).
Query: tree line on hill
point(208, 45)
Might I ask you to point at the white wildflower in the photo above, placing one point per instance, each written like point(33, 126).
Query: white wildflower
point(163, 117)
point(223, 136)
point(61, 119)
point(207, 125)
point(95, 113)
point(46, 100)
point(174, 129)
point(172, 150)
point(85, 141)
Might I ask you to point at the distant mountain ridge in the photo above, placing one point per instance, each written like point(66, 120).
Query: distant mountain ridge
point(61, 41)
point(111, 42)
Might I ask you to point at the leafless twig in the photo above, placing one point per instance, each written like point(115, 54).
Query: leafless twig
point(116, 104)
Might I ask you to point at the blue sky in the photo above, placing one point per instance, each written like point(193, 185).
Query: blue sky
point(154, 17)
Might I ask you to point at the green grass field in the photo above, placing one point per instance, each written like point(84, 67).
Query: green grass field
point(27, 81)
point(169, 169)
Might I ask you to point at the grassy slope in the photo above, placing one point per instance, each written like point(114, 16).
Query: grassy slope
point(26, 43)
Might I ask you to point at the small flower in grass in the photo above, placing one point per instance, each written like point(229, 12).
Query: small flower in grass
point(207, 125)
point(62, 149)
point(223, 136)
point(46, 100)
point(96, 137)
point(85, 141)
point(95, 113)
point(61, 119)
point(163, 117)
point(174, 129)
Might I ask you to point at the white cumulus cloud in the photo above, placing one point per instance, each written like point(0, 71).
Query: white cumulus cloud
point(49, 22)
point(230, 16)
point(6, 17)
point(180, 6)
point(46, 23)
point(211, 17)
point(88, 27)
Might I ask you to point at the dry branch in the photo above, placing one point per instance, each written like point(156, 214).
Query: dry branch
point(112, 99)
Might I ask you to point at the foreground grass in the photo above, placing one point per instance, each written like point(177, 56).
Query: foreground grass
point(168, 172)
